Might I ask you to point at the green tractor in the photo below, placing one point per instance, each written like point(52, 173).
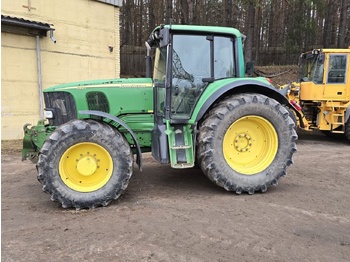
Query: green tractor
point(198, 109)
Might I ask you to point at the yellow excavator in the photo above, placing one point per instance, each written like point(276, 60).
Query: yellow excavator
point(321, 97)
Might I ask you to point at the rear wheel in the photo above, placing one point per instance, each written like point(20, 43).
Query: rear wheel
point(292, 115)
point(246, 143)
point(347, 129)
point(85, 164)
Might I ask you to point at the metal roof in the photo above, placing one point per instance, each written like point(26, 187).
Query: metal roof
point(23, 26)
point(112, 2)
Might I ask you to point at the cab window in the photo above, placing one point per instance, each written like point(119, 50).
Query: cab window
point(337, 68)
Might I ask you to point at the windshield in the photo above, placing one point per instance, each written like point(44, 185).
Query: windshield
point(311, 67)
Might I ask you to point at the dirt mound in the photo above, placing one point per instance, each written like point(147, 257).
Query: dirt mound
point(279, 75)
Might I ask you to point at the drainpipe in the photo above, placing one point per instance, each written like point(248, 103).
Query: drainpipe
point(38, 59)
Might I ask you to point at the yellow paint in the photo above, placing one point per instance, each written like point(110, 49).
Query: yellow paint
point(310, 91)
point(331, 99)
point(83, 30)
point(86, 167)
point(250, 145)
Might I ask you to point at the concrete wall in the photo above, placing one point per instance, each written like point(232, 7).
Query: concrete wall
point(84, 30)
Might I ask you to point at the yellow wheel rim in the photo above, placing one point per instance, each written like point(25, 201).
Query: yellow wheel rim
point(250, 145)
point(85, 167)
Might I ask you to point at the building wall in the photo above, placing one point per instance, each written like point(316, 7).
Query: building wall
point(84, 30)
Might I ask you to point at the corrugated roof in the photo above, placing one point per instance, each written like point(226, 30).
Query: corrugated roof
point(15, 24)
point(112, 2)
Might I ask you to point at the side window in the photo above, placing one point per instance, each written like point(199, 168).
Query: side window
point(337, 68)
point(223, 57)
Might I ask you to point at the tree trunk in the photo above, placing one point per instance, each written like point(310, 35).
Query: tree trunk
point(169, 11)
point(343, 23)
point(184, 12)
point(271, 39)
point(250, 31)
point(327, 34)
point(225, 13)
point(190, 11)
point(151, 16)
point(257, 32)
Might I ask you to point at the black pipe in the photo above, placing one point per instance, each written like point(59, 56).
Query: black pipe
point(148, 66)
point(148, 61)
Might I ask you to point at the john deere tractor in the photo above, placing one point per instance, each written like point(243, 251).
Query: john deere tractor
point(321, 97)
point(198, 109)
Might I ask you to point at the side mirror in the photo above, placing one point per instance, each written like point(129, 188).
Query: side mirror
point(164, 37)
point(249, 68)
point(321, 59)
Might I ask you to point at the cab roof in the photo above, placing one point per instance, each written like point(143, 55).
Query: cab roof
point(330, 50)
point(205, 29)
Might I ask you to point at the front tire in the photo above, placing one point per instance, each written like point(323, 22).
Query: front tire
point(246, 143)
point(85, 164)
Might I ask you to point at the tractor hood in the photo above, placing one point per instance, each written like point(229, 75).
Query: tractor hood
point(104, 83)
point(114, 96)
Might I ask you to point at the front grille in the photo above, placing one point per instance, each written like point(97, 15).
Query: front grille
point(63, 106)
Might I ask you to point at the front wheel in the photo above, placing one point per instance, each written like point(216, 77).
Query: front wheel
point(85, 164)
point(246, 143)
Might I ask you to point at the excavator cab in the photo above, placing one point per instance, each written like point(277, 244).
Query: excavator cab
point(323, 90)
point(324, 75)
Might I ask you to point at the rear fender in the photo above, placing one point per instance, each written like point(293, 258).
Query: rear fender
point(120, 122)
point(236, 87)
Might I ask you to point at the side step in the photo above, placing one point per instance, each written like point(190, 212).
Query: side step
point(337, 119)
point(181, 150)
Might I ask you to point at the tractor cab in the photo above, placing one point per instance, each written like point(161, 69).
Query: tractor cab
point(185, 63)
point(187, 60)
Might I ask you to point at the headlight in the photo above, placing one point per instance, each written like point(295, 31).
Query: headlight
point(49, 113)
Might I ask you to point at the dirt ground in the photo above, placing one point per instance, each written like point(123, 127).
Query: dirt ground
point(279, 75)
point(179, 215)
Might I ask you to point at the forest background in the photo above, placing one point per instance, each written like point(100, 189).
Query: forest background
point(277, 30)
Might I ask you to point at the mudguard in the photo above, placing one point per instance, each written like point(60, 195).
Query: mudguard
point(253, 85)
point(120, 122)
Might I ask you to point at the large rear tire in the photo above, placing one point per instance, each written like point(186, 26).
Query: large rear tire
point(85, 164)
point(246, 143)
point(347, 129)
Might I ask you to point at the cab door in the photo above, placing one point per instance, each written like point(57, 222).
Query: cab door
point(337, 79)
point(160, 149)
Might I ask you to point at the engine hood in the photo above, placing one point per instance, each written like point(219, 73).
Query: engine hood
point(104, 83)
